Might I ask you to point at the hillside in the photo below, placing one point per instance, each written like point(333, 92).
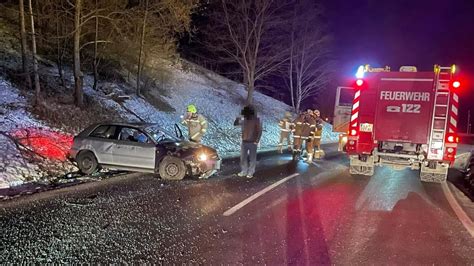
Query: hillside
point(175, 85)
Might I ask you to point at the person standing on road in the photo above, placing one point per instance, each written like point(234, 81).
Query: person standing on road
point(298, 135)
point(251, 134)
point(285, 125)
point(310, 122)
point(196, 123)
point(318, 134)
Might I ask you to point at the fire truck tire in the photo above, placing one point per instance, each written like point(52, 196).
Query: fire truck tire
point(361, 170)
point(361, 167)
point(432, 177)
point(436, 175)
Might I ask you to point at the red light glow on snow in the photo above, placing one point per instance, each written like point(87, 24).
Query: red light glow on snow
point(49, 144)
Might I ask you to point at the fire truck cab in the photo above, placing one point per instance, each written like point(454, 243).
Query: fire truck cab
point(404, 119)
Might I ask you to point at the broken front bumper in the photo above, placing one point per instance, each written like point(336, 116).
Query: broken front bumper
point(205, 168)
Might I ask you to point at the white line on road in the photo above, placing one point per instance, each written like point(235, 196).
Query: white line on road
point(460, 213)
point(258, 194)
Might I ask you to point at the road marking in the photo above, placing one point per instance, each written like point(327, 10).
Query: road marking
point(460, 213)
point(258, 194)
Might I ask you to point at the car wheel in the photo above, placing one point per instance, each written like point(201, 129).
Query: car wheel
point(172, 168)
point(87, 163)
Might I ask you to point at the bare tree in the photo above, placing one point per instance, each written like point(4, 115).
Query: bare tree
point(78, 91)
point(96, 43)
point(153, 28)
point(308, 69)
point(24, 47)
point(35, 58)
point(142, 43)
point(60, 45)
point(245, 33)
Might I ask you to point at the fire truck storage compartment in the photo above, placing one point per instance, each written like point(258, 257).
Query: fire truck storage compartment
point(404, 108)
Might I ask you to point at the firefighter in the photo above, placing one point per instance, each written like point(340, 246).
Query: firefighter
point(300, 134)
point(318, 134)
point(310, 123)
point(196, 123)
point(286, 126)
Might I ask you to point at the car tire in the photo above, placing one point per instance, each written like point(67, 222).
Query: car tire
point(87, 163)
point(172, 168)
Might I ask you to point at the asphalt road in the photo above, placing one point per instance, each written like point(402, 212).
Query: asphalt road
point(319, 215)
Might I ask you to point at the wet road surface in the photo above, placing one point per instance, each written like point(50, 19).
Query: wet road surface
point(322, 215)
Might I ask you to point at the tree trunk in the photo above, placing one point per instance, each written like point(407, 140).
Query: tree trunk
point(78, 95)
point(39, 23)
point(59, 59)
point(24, 59)
point(142, 43)
point(96, 74)
point(35, 59)
point(249, 80)
point(250, 89)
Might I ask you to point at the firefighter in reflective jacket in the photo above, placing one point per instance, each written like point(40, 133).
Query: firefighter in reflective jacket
point(300, 133)
point(310, 123)
point(318, 153)
point(196, 123)
point(286, 126)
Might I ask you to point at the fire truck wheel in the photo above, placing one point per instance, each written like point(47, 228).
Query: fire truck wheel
point(361, 170)
point(436, 175)
point(432, 177)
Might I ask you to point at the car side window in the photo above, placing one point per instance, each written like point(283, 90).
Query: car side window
point(133, 135)
point(104, 132)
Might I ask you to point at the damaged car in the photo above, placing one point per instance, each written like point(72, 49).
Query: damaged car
point(142, 147)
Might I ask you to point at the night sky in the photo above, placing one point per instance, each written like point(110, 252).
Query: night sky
point(403, 32)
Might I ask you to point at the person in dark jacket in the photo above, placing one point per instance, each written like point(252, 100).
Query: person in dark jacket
point(251, 134)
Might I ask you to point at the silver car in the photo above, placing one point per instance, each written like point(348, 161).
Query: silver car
point(142, 147)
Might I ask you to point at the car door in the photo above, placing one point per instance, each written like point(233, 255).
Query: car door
point(133, 152)
point(102, 141)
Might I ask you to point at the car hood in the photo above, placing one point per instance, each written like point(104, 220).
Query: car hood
point(190, 147)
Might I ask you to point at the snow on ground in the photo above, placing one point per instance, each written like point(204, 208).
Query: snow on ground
point(217, 98)
point(14, 170)
point(463, 156)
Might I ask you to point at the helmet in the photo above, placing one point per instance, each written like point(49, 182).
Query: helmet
point(316, 112)
point(191, 109)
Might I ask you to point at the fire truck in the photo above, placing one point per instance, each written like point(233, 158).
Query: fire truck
point(404, 119)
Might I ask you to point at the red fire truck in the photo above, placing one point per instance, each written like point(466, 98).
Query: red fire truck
point(404, 119)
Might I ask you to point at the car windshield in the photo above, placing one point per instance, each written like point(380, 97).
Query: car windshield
point(159, 134)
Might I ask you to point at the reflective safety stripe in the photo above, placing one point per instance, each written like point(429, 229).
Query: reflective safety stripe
point(285, 130)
